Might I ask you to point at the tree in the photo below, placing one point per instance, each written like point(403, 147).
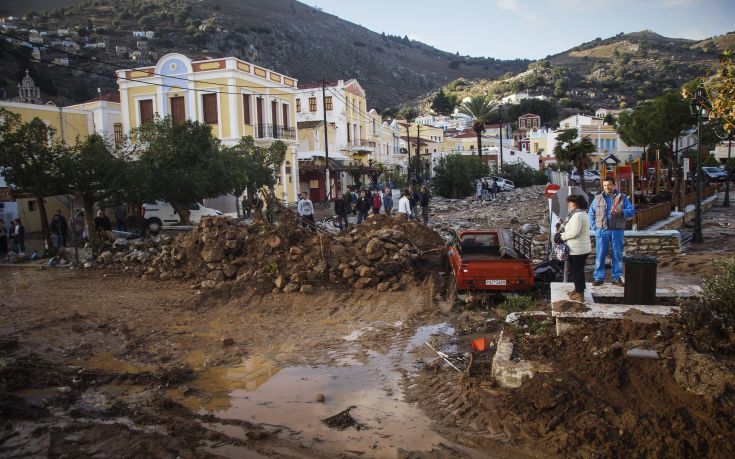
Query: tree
point(92, 172)
point(182, 163)
point(442, 104)
point(256, 165)
point(480, 108)
point(721, 90)
point(577, 152)
point(29, 160)
point(455, 175)
point(523, 175)
point(655, 125)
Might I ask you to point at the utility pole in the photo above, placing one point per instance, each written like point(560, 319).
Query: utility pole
point(408, 135)
point(327, 188)
point(501, 138)
point(697, 236)
point(726, 202)
point(418, 151)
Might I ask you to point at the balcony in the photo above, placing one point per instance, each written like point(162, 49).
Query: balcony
point(361, 146)
point(274, 131)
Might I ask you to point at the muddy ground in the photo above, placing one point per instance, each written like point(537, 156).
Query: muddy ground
point(105, 363)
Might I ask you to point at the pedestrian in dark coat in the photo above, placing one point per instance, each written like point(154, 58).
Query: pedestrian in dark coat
point(58, 228)
point(20, 236)
point(363, 206)
point(340, 209)
point(388, 201)
point(347, 199)
point(101, 222)
point(425, 196)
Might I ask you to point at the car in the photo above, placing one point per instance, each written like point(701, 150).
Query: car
point(503, 183)
point(161, 213)
point(589, 177)
point(714, 174)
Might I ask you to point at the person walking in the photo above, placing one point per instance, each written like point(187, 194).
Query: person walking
point(404, 204)
point(120, 215)
point(3, 238)
point(575, 232)
point(425, 197)
point(58, 229)
point(478, 189)
point(101, 222)
point(363, 206)
point(376, 202)
point(247, 207)
point(388, 201)
point(347, 198)
point(608, 213)
point(20, 237)
point(305, 208)
point(340, 209)
point(494, 188)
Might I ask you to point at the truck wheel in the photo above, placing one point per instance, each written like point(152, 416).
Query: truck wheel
point(153, 225)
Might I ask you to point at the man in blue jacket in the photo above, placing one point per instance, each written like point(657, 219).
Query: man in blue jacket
point(608, 213)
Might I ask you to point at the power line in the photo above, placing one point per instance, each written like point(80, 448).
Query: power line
point(121, 67)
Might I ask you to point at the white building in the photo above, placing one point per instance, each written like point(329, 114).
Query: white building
point(106, 118)
point(520, 96)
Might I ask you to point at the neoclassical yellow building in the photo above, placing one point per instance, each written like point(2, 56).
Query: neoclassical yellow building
point(236, 98)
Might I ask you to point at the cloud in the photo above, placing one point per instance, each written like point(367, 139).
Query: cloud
point(523, 11)
point(576, 5)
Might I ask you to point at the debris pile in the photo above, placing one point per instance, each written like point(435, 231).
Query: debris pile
point(383, 253)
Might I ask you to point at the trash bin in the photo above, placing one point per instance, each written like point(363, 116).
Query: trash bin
point(640, 279)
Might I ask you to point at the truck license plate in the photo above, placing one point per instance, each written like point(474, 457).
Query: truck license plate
point(495, 282)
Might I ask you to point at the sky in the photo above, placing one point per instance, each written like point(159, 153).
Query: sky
point(531, 29)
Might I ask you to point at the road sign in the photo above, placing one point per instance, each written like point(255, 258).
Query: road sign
point(551, 190)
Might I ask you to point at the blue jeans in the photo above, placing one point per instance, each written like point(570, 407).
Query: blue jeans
point(603, 239)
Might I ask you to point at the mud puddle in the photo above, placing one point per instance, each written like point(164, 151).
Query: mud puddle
point(294, 400)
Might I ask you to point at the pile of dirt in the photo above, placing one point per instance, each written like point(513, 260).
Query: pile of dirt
point(598, 401)
point(384, 253)
point(604, 402)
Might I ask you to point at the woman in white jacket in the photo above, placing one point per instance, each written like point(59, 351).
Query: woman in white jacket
point(576, 233)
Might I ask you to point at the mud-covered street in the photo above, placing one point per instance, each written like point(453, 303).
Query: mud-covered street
point(154, 361)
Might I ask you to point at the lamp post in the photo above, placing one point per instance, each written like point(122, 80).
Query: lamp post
point(699, 107)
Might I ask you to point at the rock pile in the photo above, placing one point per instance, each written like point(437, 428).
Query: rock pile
point(383, 253)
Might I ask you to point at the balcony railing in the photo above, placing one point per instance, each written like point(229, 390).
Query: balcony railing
point(274, 131)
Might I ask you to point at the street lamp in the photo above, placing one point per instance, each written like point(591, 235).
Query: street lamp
point(700, 107)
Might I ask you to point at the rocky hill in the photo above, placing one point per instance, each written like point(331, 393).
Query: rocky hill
point(616, 72)
point(285, 35)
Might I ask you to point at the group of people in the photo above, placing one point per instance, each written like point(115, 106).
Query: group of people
point(606, 218)
point(487, 190)
point(12, 237)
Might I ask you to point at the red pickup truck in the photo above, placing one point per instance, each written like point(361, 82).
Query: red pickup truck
point(491, 261)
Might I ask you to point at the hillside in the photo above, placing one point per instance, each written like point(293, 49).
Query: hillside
point(285, 35)
point(613, 73)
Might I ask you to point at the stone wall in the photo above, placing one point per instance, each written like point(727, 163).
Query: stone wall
point(656, 243)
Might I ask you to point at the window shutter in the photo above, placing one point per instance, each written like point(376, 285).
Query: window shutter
point(285, 119)
point(209, 105)
point(146, 111)
point(178, 110)
point(246, 108)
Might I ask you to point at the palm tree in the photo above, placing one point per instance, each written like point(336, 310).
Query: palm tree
point(577, 152)
point(478, 107)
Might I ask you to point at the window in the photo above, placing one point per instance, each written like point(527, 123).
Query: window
point(246, 109)
point(118, 132)
point(312, 104)
point(146, 111)
point(209, 108)
point(31, 206)
point(348, 132)
point(285, 120)
point(328, 102)
point(298, 105)
point(178, 112)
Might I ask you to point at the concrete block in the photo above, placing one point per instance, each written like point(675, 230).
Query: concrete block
point(508, 373)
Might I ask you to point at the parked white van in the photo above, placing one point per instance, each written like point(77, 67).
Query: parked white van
point(161, 214)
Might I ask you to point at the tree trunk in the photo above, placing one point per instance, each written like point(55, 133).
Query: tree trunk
point(580, 171)
point(479, 142)
point(44, 222)
point(183, 212)
point(89, 221)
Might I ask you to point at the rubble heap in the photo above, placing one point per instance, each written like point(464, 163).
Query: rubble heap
point(523, 209)
point(383, 253)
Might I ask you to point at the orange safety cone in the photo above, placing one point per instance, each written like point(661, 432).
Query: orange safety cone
point(478, 344)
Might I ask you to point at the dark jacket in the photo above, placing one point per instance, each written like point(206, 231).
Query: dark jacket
point(363, 204)
point(415, 198)
point(102, 223)
point(58, 225)
point(339, 207)
point(347, 200)
point(425, 199)
point(20, 233)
